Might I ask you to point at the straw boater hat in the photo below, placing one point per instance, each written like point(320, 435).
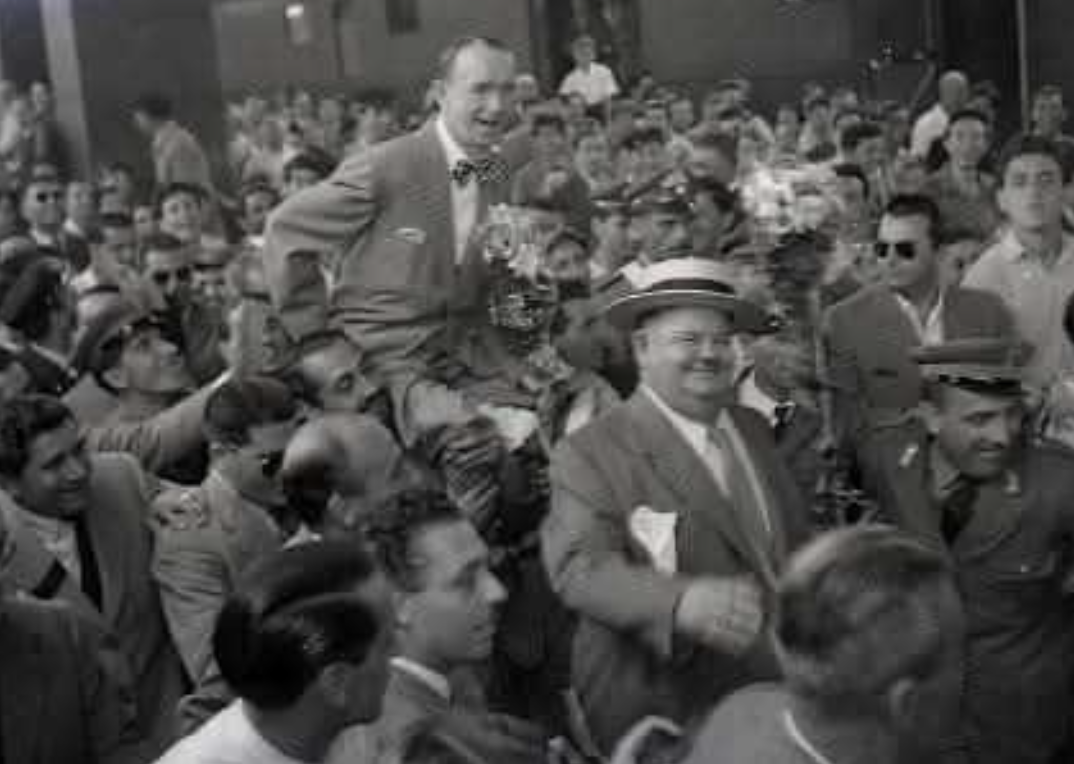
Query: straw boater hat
point(688, 282)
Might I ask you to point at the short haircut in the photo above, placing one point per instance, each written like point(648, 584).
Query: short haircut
point(1028, 145)
point(296, 612)
point(916, 205)
point(238, 405)
point(544, 120)
point(163, 243)
point(154, 105)
point(855, 135)
point(316, 161)
point(1048, 91)
point(851, 170)
point(195, 192)
point(857, 610)
point(259, 187)
point(451, 53)
point(392, 528)
point(715, 140)
point(968, 114)
point(22, 420)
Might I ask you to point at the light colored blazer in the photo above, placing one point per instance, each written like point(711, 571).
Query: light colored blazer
point(383, 222)
point(627, 663)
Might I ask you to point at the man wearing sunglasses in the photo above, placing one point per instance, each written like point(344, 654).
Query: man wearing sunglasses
point(867, 337)
point(234, 520)
point(190, 323)
point(43, 209)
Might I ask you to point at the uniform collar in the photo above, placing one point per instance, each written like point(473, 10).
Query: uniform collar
point(434, 680)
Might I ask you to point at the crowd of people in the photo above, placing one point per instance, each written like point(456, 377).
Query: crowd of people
point(595, 425)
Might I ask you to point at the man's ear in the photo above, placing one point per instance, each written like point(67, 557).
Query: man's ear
point(902, 698)
point(116, 377)
point(334, 682)
point(436, 90)
point(640, 341)
point(930, 416)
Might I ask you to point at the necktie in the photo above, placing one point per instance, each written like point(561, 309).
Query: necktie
point(782, 415)
point(956, 510)
point(489, 169)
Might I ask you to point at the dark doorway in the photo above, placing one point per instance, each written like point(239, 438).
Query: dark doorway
point(22, 42)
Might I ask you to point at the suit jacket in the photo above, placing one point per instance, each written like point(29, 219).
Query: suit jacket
point(867, 363)
point(627, 661)
point(116, 522)
point(384, 219)
point(411, 705)
point(196, 568)
point(59, 702)
point(1012, 561)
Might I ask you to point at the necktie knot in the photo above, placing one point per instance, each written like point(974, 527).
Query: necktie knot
point(489, 169)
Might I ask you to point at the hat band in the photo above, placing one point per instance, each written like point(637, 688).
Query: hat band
point(691, 285)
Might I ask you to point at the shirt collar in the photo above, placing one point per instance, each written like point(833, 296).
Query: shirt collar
point(752, 396)
point(452, 150)
point(434, 680)
point(1014, 252)
point(47, 527)
point(694, 431)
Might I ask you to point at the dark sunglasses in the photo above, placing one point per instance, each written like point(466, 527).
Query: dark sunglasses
point(907, 250)
point(271, 464)
point(161, 278)
point(47, 196)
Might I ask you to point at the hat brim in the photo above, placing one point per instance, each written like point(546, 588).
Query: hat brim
point(745, 316)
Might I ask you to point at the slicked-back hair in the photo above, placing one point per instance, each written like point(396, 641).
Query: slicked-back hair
point(916, 205)
point(393, 527)
point(242, 403)
point(450, 54)
point(857, 610)
point(22, 420)
point(296, 612)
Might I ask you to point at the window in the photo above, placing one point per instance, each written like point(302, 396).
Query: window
point(402, 16)
point(298, 24)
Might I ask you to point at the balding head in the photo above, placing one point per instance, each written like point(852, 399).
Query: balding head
point(954, 90)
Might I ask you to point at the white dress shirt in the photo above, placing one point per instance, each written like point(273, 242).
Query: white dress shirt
point(930, 127)
point(436, 681)
point(697, 435)
point(227, 738)
point(596, 84)
point(929, 331)
point(465, 199)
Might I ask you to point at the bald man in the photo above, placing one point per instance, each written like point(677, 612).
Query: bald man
point(953, 89)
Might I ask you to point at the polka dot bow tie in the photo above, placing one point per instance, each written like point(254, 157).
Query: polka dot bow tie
point(490, 169)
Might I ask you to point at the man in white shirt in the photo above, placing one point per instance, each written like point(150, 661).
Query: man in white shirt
point(591, 79)
point(954, 92)
point(304, 643)
point(1032, 267)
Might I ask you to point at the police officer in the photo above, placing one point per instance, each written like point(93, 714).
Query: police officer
point(969, 479)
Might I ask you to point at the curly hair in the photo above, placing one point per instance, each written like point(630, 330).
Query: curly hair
point(392, 528)
point(22, 419)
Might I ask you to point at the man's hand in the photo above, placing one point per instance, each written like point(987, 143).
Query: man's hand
point(722, 613)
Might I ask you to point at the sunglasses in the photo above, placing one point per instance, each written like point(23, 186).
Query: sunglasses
point(271, 464)
point(48, 196)
point(161, 278)
point(907, 250)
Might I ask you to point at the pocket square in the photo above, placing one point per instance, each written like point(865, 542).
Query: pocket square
point(414, 236)
point(655, 531)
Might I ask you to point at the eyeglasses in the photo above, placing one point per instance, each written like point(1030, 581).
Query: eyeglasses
point(271, 464)
point(162, 278)
point(907, 250)
point(48, 196)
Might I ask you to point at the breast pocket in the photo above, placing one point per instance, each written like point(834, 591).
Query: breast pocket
point(1012, 587)
point(390, 262)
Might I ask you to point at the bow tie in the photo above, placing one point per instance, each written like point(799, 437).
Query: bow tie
point(490, 169)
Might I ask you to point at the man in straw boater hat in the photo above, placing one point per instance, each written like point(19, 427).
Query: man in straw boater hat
point(969, 478)
point(671, 515)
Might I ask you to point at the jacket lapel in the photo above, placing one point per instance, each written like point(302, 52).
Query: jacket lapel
point(683, 474)
point(433, 178)
point(22, 690)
